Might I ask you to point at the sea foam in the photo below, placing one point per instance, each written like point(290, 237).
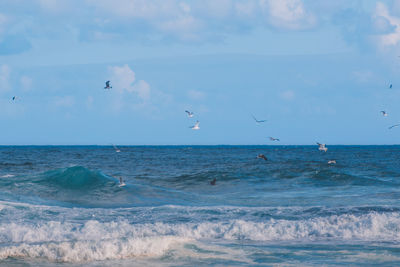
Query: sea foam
point(94, 240)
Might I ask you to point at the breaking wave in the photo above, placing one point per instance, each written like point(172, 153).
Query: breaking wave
point(94, 240)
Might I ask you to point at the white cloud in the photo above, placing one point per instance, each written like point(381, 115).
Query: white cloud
point(54, 6)
point(89, 102)
point(196, 95)
point(245, 8)
point(391, 38)
point(184, 27)
point(288, 14)
point(142, 88)
point(64, 101)
point(363, 76)
point(26, 83)
point(4, 77)
point(287, 95)
point(3, 21)
point(123, 80)
point(148, 9)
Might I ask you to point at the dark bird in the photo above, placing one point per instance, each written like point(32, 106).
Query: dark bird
point(384, 113)
point(108, 85)
point(396, 125)
point(258, 121)
point(261, 156)
point(190, 114)
point(273, 139)
point(14, 97)
point(390, 86)
point(213, 181)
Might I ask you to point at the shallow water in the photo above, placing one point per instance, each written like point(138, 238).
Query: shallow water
point(63, 206)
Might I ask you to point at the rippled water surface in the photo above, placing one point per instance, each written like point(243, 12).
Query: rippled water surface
point(64, 206)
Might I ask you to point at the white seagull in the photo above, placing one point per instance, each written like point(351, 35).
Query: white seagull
point(258, 121)
point(332, 161)
point(196, 126)
point(322, 147)
point(190, 114)
point(116, 149)
point(384, 113)
point(396, 125)
point(121, 182)
point(273, 139)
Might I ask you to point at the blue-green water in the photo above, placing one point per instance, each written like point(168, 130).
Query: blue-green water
point(64, 206)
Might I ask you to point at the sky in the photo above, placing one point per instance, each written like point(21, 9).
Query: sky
point(317, 71)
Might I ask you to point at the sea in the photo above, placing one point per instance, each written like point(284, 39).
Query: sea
point(64, 206)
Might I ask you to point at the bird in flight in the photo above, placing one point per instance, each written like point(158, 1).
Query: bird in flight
point(273, 139)
point(121, 182)
point(384, 113)
point(14, 98)
point(332, 161)
point(261, 156)
point(116, 148)
point(108, 85)
point(396, 125)
point(190, 114)
point(390, 86)
point(322, 147)
point(196, 126)
point(258, 121)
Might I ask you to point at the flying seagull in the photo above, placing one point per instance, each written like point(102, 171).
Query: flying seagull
point(116, 148)
point(261, 156)
point(332, 161)
point(384, 113)
point(190, 114)
point(121, 182)
point(108, 85)
point(396, 125)
point(322, 147)
point(196, 126)
point(273, 139)
point(258, 121)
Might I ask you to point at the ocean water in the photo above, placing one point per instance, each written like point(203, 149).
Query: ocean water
point(62, 206)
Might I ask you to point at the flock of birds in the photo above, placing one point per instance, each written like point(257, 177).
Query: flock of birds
point(321, 147)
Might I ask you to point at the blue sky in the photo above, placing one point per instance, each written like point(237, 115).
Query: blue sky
point(315, 70)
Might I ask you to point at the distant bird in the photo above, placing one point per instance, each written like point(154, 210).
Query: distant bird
point(396, 125)
point(190, 114)
point(332, 161)
point(116, 149)
point(196, 126)
point(258, 121)
point(384, 113)
point(273, 139)
point(322, 147)
point(261, 156)
point(390, 86)
point(108, 85)
point(14, 98)
point(121, 182)
point(213, 181)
